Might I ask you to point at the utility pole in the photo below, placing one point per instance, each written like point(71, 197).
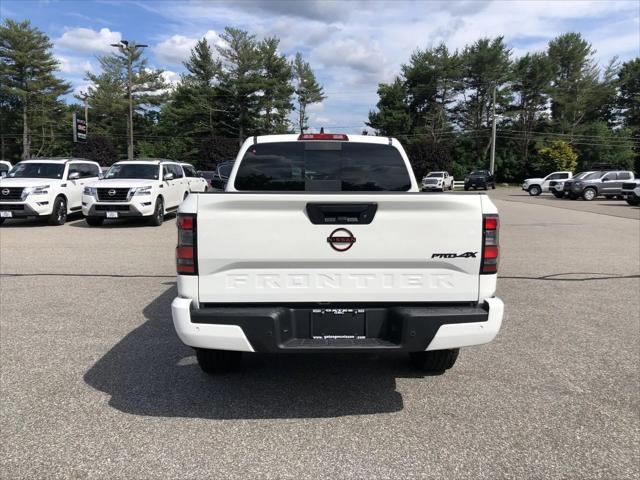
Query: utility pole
point(129, 49)
point(493, 134)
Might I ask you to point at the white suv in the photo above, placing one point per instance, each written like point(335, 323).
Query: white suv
point(49, 188)
point(196, 182)
point(136, 188)
point(535, 186)
point(437, 181)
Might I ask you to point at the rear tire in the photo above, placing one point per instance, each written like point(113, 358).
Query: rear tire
point(94, 221)
point(218, 361)
point(435, 361)
point(158, 214)
point(493, 186)
point(59, 213)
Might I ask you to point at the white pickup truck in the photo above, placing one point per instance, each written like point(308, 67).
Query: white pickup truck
point(324, 243)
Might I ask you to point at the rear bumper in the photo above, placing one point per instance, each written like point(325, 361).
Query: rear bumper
point(290, 329)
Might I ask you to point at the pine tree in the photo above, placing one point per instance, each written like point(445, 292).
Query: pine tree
point(486, 66)
point(28, 81)
point(307, 90)
point(108, 97)
point(277, 89)
point(240, 81)
point(575, 81)
point(531, 78)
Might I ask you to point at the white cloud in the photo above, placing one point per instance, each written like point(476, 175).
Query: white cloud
point(88, 40)
point(176, 49)
point(71, 65)
point(172, 78)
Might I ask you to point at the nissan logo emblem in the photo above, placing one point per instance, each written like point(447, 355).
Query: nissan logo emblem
point(111, 192)
point(341, 239)
point(5, 191)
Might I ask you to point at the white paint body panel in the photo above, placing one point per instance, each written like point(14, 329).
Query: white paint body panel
point(456, 335)
point(256, 247)
point(218, 337)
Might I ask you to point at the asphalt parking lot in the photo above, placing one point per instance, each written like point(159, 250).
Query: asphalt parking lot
point(94, 381)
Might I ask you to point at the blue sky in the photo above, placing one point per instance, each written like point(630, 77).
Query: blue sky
point(352, 45)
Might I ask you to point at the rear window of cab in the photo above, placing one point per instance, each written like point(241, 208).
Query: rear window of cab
point(322, 166)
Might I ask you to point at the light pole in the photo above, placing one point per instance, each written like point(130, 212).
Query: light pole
point(129, 49)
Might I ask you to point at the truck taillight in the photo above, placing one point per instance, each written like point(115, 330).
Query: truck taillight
point(324, 136)
point(186, 251)
point(490, 245)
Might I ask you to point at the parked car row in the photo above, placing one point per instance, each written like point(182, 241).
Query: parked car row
point(586, 185)
point(54, 188)
point(441, 181)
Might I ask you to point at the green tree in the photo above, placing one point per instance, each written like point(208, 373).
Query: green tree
point(194, 108)
point(628, 103)
point(307, 90)
point(277, 74)
point(432, 80)
point(486, 66)
point(531, 78)
point(108, 95)
point(28, 82)
point(557, 156)
point(240, 81)
point(574, 87)
point(629, 93)
point(392, 117)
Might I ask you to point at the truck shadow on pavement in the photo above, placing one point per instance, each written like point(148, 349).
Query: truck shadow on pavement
point(150, 372)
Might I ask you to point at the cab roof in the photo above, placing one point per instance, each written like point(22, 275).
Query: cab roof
point(60, 160)
point(147, 161)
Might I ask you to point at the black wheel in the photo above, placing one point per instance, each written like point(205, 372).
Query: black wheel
point(589, 194)
point(466, 188)
point(493, 186)
point(558, 194)
point(631, 201)
point(436, 361)
point(158, 214)
point(59, 213)
point(535, 190)
point(1, 221)
point(94, 221)
point(218, 361)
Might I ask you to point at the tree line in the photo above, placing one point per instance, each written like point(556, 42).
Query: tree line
point(555, 109)
point(242, 87)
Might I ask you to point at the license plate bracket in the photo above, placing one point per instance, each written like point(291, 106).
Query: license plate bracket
point(348, 323)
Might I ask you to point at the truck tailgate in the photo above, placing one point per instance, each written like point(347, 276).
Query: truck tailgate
point(264, 248)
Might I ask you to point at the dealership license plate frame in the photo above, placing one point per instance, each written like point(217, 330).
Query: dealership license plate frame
point(338, 323)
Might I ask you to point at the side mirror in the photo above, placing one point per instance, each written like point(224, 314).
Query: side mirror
point(74, 176)
point(168, 176)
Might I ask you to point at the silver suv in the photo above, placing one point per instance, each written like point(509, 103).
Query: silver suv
point(606, 182)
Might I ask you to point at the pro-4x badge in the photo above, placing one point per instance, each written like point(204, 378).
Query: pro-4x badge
point(455, 255)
